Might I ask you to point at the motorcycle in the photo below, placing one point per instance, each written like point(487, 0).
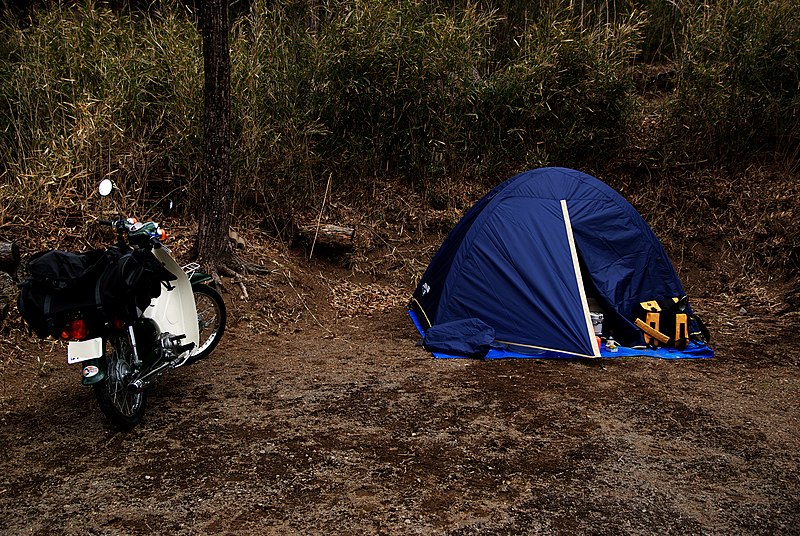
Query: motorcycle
point(130, 313)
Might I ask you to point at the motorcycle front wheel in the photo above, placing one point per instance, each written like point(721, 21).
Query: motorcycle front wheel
point(211, 318)
point(122, 407)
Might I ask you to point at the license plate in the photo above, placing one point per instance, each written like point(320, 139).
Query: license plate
point(78, 351)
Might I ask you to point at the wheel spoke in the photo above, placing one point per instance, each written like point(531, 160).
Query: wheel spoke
point(119, 364)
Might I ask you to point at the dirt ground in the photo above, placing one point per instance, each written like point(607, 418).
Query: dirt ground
point(310, 419)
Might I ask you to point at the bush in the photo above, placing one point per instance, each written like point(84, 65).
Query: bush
point(565, 98)
point(89, 93)
point(274, 76)
point(738, 79)
point(352, 89)
point(398, 81)
point(356, 89)
point(344, 88)
point(663, 31)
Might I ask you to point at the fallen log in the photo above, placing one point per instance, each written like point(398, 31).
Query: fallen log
point(9, 257)
point(327, 236)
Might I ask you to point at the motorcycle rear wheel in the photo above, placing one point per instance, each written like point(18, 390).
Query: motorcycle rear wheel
point(211, 319)
point(123, 408)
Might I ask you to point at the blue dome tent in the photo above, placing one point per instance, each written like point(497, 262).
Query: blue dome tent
point(518, 272)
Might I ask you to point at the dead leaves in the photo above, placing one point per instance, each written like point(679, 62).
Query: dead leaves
point(350, 299)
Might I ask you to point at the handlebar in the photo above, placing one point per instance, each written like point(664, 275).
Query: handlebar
point(141, 233)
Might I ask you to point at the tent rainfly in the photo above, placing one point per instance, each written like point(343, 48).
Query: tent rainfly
point(528, 259)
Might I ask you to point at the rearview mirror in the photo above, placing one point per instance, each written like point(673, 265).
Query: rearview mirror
point(168, 207)
point(105, 187)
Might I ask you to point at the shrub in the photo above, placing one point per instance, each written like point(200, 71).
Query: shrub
point(738, 81)
point(564, 100)
point(274, 75)
point(398, 80)
point(88, 93)
point(411, 89)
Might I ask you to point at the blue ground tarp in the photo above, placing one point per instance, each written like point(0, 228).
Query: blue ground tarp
point(693, 351)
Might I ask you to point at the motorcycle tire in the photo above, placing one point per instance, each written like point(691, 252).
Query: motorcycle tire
point(123, 408)
point(211, 318)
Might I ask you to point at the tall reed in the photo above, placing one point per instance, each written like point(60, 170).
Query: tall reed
point(88, 93)
point(738, 87)
point(564, 98)
point(356, 90)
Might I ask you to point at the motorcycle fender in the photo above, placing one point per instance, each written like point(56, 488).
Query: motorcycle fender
point(174, 310)
point(93, 371)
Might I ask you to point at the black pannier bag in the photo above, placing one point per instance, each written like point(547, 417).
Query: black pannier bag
point(130, 284)
point(60, 285)
point(98, 286)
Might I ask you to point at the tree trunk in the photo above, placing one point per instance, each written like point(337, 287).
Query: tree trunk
point(213, 247)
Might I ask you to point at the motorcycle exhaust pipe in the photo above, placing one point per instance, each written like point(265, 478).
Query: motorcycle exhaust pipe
point(170, 346)
point(145, 380)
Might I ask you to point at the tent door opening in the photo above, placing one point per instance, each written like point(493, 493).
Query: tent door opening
point(576, 265)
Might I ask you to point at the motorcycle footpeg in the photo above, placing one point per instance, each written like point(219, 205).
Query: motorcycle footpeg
point(185, 348)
